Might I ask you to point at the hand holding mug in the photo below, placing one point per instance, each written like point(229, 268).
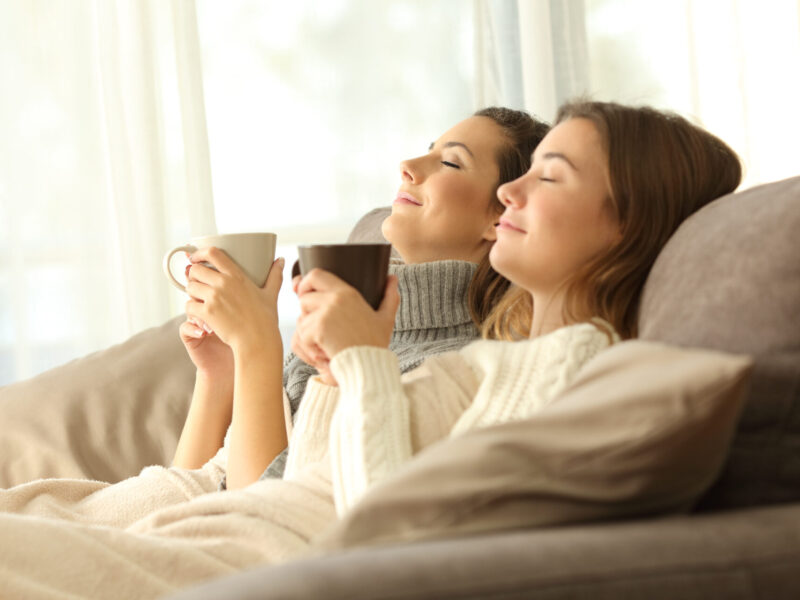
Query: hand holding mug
point(233, 283)
point(253, 254)
point(241, 314)
point(335, 316)
point(358, 274)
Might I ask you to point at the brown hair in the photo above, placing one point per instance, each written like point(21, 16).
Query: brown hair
point(661, 169)
point(523, 133)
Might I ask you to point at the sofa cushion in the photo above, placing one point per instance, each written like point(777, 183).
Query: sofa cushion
point(644, 429)
point(729, 279)
point(368, 229)
point(737, 555)
point(103, 416)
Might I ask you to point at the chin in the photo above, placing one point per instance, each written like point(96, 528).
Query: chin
point(396, 229)
point(500, 263)
point(386, 229)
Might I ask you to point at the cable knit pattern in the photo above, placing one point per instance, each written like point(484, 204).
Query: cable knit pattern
point(312, 426)
point(379, 416)
point(376, 441)
point(526, 375)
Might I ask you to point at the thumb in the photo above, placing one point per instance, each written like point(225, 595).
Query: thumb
point(391, 298)
point(275, 278)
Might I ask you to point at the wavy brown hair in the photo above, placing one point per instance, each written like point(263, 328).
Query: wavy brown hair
point(661, 169)
point(523, 133)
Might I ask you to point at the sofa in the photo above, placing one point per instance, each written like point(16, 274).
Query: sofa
point(726, 288)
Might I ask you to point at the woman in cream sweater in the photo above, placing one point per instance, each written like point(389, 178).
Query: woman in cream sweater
point(607, 187)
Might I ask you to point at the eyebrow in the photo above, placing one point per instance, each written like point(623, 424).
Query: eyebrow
point(452, 144)
point(563, 157)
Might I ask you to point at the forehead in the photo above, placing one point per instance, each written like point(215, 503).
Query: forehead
point(482, 135)
point(578, 139)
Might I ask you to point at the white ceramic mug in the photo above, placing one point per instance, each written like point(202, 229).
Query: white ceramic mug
point(252, 252)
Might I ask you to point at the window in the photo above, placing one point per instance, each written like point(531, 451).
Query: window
point(312, 105)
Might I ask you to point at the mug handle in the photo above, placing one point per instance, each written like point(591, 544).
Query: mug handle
point(168, 257)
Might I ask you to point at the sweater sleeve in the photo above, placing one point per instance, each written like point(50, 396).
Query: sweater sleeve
point(309, 441)
point(382, 420)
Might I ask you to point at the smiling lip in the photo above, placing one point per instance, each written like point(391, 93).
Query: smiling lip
point(404, 198)
point(507, 225)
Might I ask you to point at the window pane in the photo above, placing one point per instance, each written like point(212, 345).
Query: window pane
point(725, 64)
point(312, 105)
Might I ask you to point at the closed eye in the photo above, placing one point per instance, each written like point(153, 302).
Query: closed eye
point(547, 179)
point(450, 164)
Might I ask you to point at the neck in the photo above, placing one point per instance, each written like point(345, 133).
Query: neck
point(547, 313)
point(416, 256)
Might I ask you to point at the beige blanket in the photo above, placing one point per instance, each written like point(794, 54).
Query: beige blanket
point(152, 534)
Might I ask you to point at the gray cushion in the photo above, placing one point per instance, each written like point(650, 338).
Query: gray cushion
point(103, 416)
point(743, 555)
point(368, 228)
point(729, 279)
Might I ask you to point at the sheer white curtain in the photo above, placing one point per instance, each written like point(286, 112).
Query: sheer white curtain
point(104, 158)
point(104, 163)
point(730, 65)
point(531, 54)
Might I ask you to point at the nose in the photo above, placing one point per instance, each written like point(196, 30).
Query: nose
point(512, 193)
point(411, 170)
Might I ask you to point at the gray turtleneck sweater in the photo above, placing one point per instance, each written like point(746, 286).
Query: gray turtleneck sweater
point(433, 317)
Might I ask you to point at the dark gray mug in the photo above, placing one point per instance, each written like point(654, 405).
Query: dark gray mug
point(364, 266)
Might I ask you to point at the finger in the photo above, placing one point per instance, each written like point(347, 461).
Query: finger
point(311, 348)
point(304, 338)
point(217, 258)
point(299, 348)
point(391, 298)
point(320, 357)
point(275, 278)
point(204, 274)
point(204, 326)
point(319, 280)
point(199, 291)
point(200, 324)
point(296, 282)
point(311, 301)
point(190, 330)
point(196, 310)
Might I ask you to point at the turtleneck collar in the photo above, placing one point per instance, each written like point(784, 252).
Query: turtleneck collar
point(432, 294)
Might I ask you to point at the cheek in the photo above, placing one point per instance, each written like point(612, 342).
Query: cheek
point(468, 205)
point(559, 218)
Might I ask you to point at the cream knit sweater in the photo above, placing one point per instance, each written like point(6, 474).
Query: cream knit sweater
point(376, 420)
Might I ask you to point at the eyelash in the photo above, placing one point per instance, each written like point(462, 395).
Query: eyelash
point(546, 179)
point(450, 164)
